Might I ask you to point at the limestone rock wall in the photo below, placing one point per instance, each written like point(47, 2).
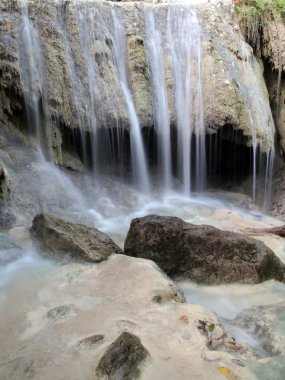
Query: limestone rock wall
point(81, 85)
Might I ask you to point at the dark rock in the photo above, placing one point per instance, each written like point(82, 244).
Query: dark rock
point(7, 219)
point(201, 253)
point(279, 231)
point(5, 185)
point(74, 240)
point(123, 359)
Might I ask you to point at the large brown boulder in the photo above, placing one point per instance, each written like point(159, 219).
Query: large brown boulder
point(62, 238)
point(201, 253)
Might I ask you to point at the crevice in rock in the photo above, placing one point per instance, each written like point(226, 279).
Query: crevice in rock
point(229, 158)
point(110, 147)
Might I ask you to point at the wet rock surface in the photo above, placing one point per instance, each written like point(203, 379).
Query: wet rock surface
point(202, 253)
point(87, 301)
point(76, 241)
point(172, 293)
point(264, 324)
point(123, 359)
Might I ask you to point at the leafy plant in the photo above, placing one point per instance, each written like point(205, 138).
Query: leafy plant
point(280, 4)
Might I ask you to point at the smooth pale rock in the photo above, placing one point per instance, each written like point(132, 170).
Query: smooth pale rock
point(123, 359)
point(111, 298)
point(201, 253)
point(75, 240)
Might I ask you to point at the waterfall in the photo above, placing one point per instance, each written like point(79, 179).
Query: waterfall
point(161, 111)
point(32, 73)
point(268, 180)
point(184, 39)
point(87, 39)
point(178, 40)
point(97, 100)
point(252, 93)
point(137, 148)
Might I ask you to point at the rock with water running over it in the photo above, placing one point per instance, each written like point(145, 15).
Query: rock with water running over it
point(77, 241)
point(261, 322)
point(201, 253)
point(123, 359)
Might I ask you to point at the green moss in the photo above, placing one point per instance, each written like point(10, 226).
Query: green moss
point(253, 15)
point(280, 4)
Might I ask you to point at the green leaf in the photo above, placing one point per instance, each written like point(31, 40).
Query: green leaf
point(211, 327)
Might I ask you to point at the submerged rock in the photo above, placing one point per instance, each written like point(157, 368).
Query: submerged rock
point(61, 312)
point(75, 240)
point(90, 342)
point(122, 359)
point(201, 253)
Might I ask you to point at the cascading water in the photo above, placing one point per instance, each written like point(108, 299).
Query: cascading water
point(137, 149)
point(161, 111)
point(33, 80)
point(96, 61)
point(178, 40)
point(183, 34)
point(251, 95)
point(80, 103)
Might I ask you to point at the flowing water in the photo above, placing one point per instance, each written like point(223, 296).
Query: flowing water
point(137, 148)
point(33, 79)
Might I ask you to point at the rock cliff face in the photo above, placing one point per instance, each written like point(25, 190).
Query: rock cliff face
point(264, 29)
point(78, 57)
